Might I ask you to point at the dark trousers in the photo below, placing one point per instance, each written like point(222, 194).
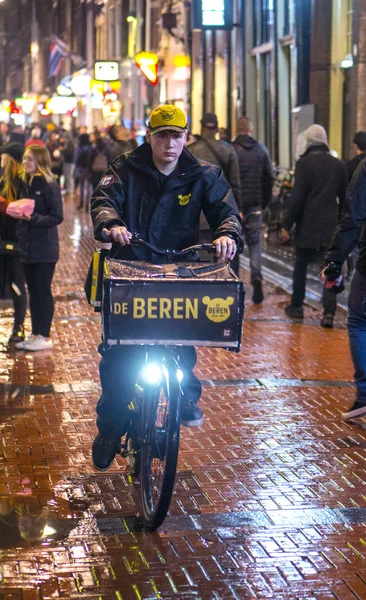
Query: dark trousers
point(303, 257)
point(357, 332)
point(118, 372)
point(39, 278)
point(15, 274)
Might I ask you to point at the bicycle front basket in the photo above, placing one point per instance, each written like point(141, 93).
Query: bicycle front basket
point(200, 304)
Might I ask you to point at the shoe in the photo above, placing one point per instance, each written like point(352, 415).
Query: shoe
point(17, 335)
point(295, 312)
point(257, 297)
point(357, 410)
point(104, 450)
point(38, 343)
point(20, 345)
point(327, 321)
point(190, 414)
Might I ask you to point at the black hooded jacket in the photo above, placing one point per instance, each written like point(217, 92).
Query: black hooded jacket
point(164, 210)
point(256, 177)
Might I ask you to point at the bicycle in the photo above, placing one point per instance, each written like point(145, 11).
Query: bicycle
point(151, 444)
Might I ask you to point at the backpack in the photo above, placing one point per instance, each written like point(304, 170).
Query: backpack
point(100, 163)
point(83, 155)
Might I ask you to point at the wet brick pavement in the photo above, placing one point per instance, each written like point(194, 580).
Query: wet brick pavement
point(270, 500)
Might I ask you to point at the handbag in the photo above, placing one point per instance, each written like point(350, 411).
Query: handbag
point(94, 278)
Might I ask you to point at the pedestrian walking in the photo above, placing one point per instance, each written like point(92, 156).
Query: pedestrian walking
point(158, 190)
point(39, 244)
point(67, 152)
point(12, 187)
point(121, 140)
point(256, 180)
point(98, 160)
point(315, 208)
point(346, 236)
point(81, 160)
point(359, 144)
point(221, 154)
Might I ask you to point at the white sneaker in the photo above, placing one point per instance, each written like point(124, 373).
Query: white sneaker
point(38, 343)
point(20, 345)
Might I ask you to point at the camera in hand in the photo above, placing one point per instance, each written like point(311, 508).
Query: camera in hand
point(332, 273)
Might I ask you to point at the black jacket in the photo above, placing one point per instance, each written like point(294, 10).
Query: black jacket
point(317, 197)
point(353, 221)
point(256, 177)
point(8, 225)
point(351, 165)
point(164, 210)
point(38, 238)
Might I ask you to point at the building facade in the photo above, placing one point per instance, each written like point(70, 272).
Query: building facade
point(285, 64)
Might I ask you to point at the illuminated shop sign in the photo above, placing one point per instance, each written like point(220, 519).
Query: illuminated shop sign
point(212, 14)
point(106, 70)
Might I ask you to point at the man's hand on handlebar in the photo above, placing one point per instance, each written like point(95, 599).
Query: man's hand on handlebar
point(119, 234)
point(225, 248)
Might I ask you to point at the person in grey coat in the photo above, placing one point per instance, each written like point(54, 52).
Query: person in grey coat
point(315, 208)
point(221, 154)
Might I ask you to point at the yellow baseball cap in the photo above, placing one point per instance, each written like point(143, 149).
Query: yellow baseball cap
point(167, 117)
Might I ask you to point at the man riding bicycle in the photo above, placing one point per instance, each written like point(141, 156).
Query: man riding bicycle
point(157, 191)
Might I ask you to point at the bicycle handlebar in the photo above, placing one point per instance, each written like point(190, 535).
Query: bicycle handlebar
point(137, 241)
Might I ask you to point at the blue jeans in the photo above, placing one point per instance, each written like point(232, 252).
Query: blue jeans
point(252, 226)
point(356, 324)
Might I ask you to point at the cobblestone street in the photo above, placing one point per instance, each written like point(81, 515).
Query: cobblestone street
point(270, 498)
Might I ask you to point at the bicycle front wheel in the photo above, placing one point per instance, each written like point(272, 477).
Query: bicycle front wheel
point(159, 452)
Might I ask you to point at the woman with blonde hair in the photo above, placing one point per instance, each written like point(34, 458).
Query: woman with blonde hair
point(12, 187)
point(39, 244)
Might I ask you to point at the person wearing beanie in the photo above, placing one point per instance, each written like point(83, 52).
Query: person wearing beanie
point(315, 208)
point(157, 191)
point(12, 187)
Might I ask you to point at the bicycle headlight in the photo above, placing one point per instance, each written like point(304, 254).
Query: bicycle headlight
point(151, 373)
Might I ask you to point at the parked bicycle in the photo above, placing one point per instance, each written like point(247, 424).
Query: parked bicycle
point(277, 207)
point(164, 307)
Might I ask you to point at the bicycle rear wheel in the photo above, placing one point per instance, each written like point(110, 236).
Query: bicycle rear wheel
point(159, 452)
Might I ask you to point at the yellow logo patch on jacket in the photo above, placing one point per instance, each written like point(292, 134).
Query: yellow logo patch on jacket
point(183, 200)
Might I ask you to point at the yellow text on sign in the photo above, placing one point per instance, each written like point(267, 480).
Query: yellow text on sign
point(165, 308)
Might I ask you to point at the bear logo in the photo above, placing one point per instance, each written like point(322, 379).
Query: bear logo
point(167, 115)
point(218, 308)
point(183, 200)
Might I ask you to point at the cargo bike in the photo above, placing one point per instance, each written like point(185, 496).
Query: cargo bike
point(163, 307)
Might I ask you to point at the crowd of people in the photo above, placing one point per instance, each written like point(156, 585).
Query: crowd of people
point(232, 183)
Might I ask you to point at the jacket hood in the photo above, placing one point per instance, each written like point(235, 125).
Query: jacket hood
point(246, 141)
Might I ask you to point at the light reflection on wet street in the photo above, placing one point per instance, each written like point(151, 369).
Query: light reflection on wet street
point(270, 498)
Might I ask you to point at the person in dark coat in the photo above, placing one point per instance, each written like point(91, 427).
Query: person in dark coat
point(121, 140)
point(81, 161)
point(221, 154)
point(359, 144)
point(346, 236)
point(256, 180)
point(39, 244)
point(12, 187)
point(158, 191)
point(315, 208)
point(98, 160)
